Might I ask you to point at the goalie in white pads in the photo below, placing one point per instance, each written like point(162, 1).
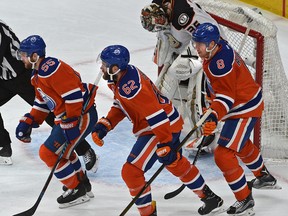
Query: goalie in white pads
point(180, 70)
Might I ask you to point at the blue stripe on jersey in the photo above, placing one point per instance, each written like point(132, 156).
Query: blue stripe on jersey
point(65, 171)
point(73, 96)
point(158, 118)
point(230, 128)
point(251, 105)
point(140, 148)
point(173, 116)
point(41, 105)
point(225, 100)
point(144, 200)
point(239, 183)
point(87, 91)
point(248, 131)
point(197, 183)
point(255, 165)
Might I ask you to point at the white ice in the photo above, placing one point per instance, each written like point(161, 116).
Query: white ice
point(76, 31)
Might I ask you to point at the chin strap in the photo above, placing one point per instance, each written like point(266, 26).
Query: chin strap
point(33, 63)
point(210, 51)
point(111, 74)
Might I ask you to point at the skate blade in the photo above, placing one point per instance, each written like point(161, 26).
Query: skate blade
point(248, 212)
point(78, 201)
point(90, 194)
point(218, 211)
point(270, 187)
point(5, 161)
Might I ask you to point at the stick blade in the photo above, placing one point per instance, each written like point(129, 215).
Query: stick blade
point(28, 212)
point(174, 193)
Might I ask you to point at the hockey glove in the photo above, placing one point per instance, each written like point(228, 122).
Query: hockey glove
point(165, 154)
point(70, 127)
point(100, 130)
point(24, 128)
point(186, 67)
point(210, 124)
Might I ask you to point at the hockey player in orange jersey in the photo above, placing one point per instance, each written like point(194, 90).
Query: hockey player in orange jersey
point(59, 89)
point(157, 126)
point(237, 101)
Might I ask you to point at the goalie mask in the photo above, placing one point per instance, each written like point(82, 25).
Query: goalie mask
point(154, 18)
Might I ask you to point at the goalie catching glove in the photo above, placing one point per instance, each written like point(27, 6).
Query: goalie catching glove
point(100, 130)
point(185, 67)
point(24, 128)
point(210, 124)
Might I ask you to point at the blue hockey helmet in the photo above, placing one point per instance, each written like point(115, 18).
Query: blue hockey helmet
point(33, 44)
point(206, 33)
point(116, 55)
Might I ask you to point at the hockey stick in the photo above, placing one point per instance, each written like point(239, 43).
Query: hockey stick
point(207, 139)
point(198, 124)
point(248, 28)
point(33, 209)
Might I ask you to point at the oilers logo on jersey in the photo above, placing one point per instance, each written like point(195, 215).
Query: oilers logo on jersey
point(48, 100)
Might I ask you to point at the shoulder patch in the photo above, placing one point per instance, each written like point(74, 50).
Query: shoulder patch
point(222, 62)
point(183, 19)
point(48, 66)
point(130, 83)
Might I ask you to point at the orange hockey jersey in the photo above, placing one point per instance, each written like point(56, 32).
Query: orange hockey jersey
point(137, 98)
point(58, 88)
point(234, 92)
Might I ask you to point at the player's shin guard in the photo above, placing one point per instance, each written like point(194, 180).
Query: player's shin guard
point(189, 175)
point(135, 181)
point(232, 171)
point(64, 169)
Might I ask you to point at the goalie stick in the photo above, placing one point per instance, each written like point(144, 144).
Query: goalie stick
point(207, 139)
point(198, 124)
point(33, 209)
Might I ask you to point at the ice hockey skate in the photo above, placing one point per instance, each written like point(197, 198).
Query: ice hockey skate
point(5, 155)
point(265, 181)
point(243, 208)
point(212, 202)
point(91, 160)
point(73, 197)
point(87, 184)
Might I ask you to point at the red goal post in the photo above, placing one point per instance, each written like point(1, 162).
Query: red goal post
point(255, 37)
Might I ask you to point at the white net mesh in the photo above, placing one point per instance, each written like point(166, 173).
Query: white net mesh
point(273, 131)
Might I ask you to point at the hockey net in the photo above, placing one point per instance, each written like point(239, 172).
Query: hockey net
point(254, 36)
